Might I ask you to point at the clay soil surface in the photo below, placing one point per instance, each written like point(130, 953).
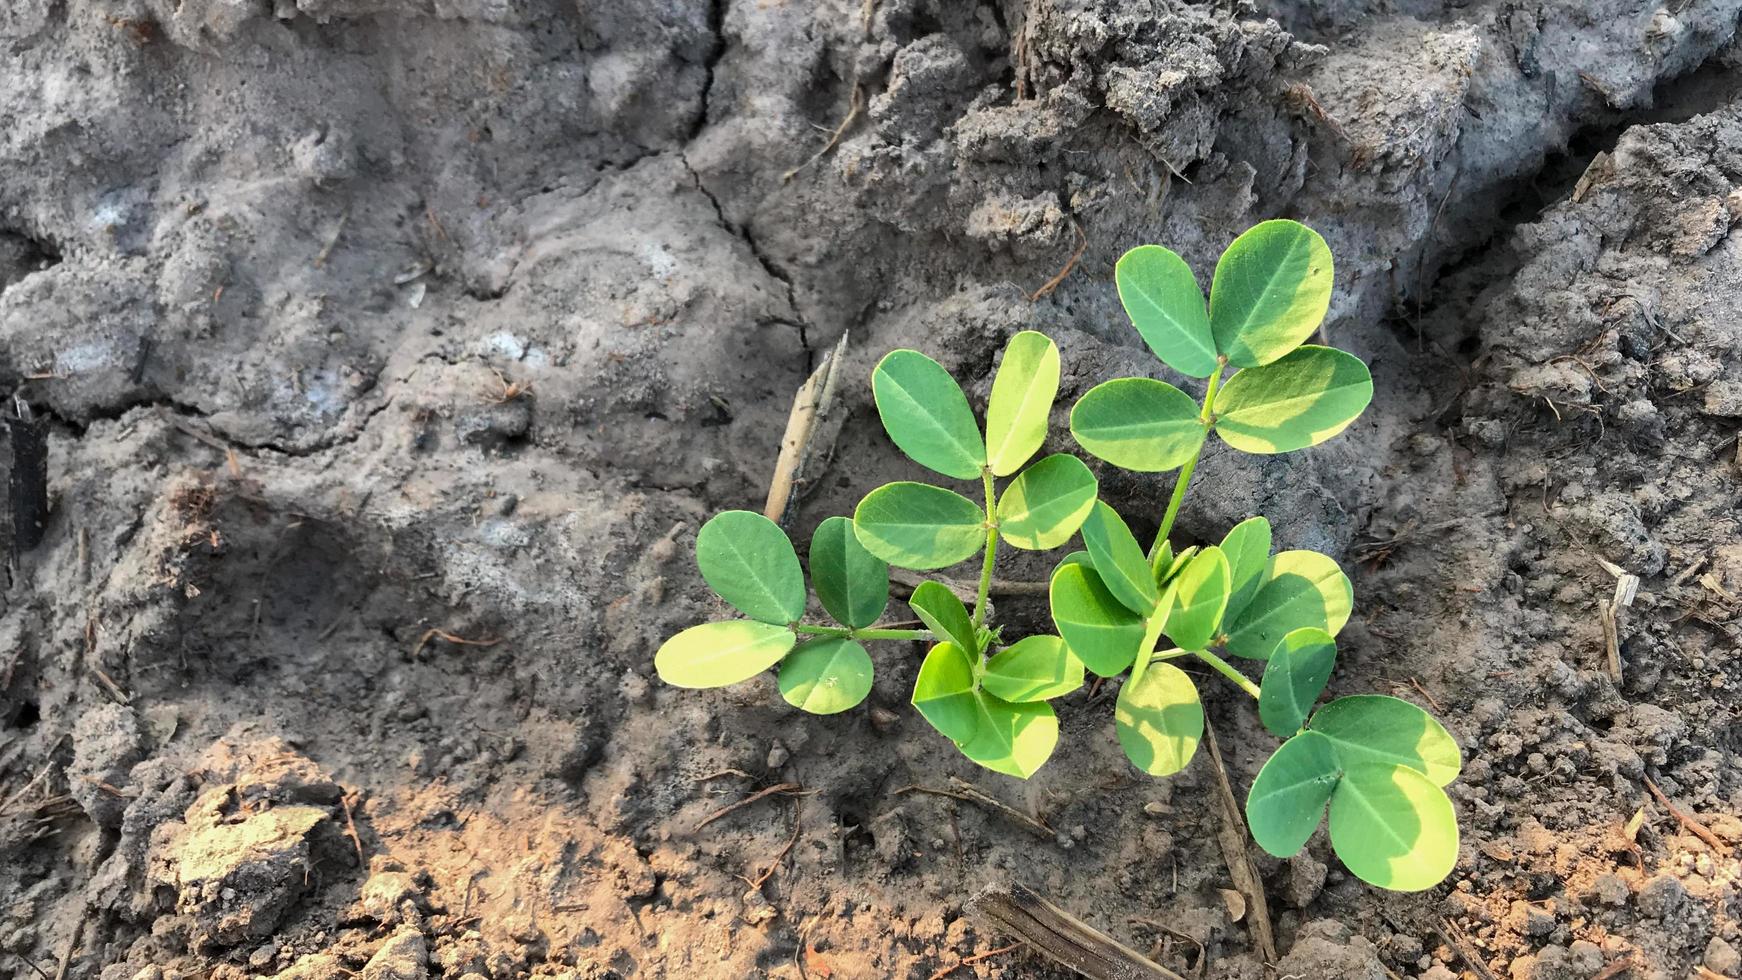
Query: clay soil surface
point(390, 353)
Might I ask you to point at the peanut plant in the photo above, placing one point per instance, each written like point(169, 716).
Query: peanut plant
point(1377, 764)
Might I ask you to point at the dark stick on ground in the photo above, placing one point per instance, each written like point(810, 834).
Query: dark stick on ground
point(27, 488)
point(1062, 937)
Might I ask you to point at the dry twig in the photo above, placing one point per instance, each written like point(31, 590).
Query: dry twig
point(810, 406)
point(855, 106)
point(762, 879)
point(966, 792)
point(1240, 868)
point(1453, 937)
point(792, 788)
point(434, 633)
point(1688, 822)
point(1070, 264)
point(1064, 938)
point(970, 960)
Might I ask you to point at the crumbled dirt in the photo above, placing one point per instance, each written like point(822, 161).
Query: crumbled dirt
point(394, 350)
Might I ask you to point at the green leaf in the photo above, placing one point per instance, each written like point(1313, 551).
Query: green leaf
point(1159, 719)
point(1046, 503)
point(1308, 396)
point(1200, 595)
point(748, 560)
point(1119, 560)
point(1021, 403)
point(919, 526)
point(943, 614)
point(944, 692)
point(826, 676)
point(926, 414)
point(1103, 634)
point(1271, 290)
point(1248, 549)
point(1393, 827)
point(1034, 668)
point(1294, 678)
point(1138, 424)
point(1301, 589)
point(1014, 739)
point(1166, 306)
point(1176, 564)
point(1373, 728)
point(852, 583)
point(717, 654)
point(1288, 798)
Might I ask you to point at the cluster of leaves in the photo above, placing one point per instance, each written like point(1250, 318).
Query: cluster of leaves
point(1377, 764)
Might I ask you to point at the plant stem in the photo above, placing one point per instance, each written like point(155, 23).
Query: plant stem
point(1184, 481)
point(991, 549)
point(1227, 670)
point(869, 633)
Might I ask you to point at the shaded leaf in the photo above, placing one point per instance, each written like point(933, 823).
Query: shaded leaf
point(926, 414)
point(1270, 292)
point(1294, 678)
point(1373, 728)
point(1162, 298)
point(1300, 400)
point(1034, 668)
point(1101, 632)
point(1159, 720)
point(1393, 827)
point(1301, 589)
point(1288, 797)
point(718, 654)
point(1248, 549)
point(919, 526)
point(1021, 402)
point(852, 583)
point(1177, 564)
point(1046, 503)
point(1014, 739)
point(1119, 559)
point(826, 676)
point(748, 560)
point(943, 613)
point(1138, 424)
point(1200, 595)
point(944, 692)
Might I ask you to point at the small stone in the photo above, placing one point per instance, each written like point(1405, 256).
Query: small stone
point(1156, 808)
point(262, 957)
point(777, 756)
point(1661, 896)
point(1610, 889)
point(404, 957)
point(1724, 399)
point(1587, 957)
point(384, 892)
point(883, 720)
point(1722, 958)
point(1306, 878)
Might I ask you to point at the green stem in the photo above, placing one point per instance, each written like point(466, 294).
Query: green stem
point(1227, 670)
point(991, 549)
point(869, 633)
point(1184, 481)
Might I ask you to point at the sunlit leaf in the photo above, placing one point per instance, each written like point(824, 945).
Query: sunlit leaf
point(1034, 668)
point(1301, 589)
point(1393, 827)
point(748, 560)
point(1270, 292)
point(1014, 739)
point(1102, 633)
point(1176, 564)
point(852, 583)
point(1294, 677)
point(1021, 403)
point(919, 526)
point(826, 676)
point(1119, 559)
point(1300, 400)
point(1373, 728)
point(943, 613)
point(1046, 503)
point(1138, 424)
point(1248, 549)
point(1200, 595)
point(944, 692)
point(926, 414)
point(1166, 306)
point(717, 654)
point(1288, 797)
point(1159, 720)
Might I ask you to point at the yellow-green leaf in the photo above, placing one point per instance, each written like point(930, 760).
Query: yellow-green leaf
point(944, 692)
point(1288, 797)
point(1014, 739)
point(826, 676)
point(718, 654)
point(943, 613)
point(1306, 397)
point(1159, 719)
point(1119, 560)
point(1373, 728)
point(1138, 424)
point(748, 560)
point(1247, 546)
point(1200, 595)
point(1166, 306)
point(1294, 677)
point(926, 414)
point(1393, 827)
point(1102, 633)
point(1034, 668)
point(1021, 403)
point(1301, 589)
point(1046, 503)
point(919, 526)
point(1270, 292)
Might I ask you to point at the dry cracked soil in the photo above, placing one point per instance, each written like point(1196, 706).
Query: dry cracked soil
point(388, 355)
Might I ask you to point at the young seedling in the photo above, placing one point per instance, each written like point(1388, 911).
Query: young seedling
point(1379, 765)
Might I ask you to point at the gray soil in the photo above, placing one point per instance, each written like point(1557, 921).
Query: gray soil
point(354, 320)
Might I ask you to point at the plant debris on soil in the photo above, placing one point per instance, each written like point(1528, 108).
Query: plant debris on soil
point(388, 354)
